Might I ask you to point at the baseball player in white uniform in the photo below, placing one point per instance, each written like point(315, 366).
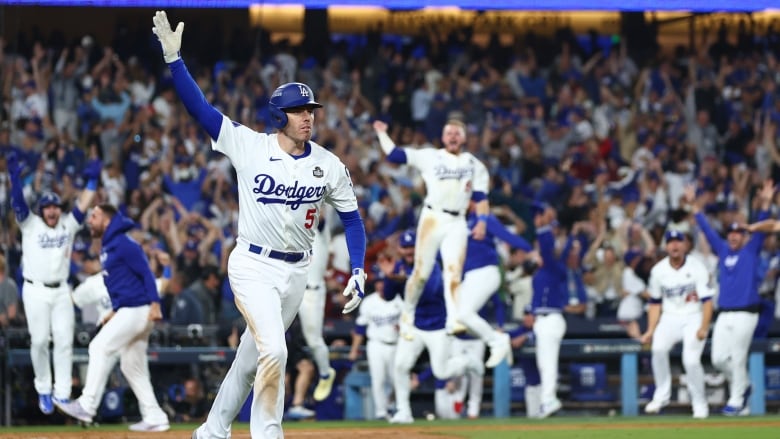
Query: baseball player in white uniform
point(312, 311)
point(680, 310)
point(47, 241)
point(283, 179)
point(452, 178)
point(429, 330)
point(377, 321)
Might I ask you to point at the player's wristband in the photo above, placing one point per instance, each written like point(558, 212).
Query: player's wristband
point(482, 218)
point(92, 184)
point(166, 272)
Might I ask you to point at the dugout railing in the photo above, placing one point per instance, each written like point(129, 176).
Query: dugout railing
point(626, 352)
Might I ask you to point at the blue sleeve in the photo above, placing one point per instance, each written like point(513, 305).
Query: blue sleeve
point(546, 244)
point(478, 196)
point(757, 238)
point(397, 155)
point(425, 375)
point(716, 242)
point(360, 329)
point(136, 261)
point(78, 214)
point(500, 310)
point(194, 101)
point(356, 237)
point(498, 230)
point(20, 207)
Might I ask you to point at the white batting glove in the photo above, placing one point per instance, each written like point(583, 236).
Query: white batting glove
point(355, 288)
point(170, 40)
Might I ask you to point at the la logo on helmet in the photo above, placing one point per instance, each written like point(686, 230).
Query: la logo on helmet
point(304, 91)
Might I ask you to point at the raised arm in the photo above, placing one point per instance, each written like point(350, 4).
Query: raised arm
point(21, 209)
point(186, 87)
point(394, 154)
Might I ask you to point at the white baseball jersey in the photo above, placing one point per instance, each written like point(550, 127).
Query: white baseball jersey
point(291, 190)
point(449, 179)
point(681, 290)
point(380, 317)
point(46, 250)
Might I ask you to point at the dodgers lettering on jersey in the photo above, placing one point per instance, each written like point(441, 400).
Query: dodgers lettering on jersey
point(46, 250)
point(288, 192)
point(449, 179)
point(681, 291)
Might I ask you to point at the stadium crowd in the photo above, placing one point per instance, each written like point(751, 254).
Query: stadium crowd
point(607, 136)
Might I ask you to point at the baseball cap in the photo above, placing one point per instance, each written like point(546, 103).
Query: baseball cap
point(672, 235)
point(407, 238)
point(735, 227)
point(538, 207)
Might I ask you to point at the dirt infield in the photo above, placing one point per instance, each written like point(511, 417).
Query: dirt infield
point(422, 431)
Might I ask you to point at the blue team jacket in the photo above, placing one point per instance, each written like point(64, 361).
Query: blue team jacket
point(736, 269)
point(430, 313)
point(126, 271)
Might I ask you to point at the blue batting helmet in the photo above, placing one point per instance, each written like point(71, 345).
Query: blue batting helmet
point(49, 199)
point(290, 95)
point(407, 238)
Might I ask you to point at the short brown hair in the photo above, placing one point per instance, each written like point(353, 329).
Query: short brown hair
point(108, 210)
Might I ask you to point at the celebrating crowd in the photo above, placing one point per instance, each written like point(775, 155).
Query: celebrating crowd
point(604, 155)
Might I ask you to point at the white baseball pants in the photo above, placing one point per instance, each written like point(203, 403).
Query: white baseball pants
point(731, 339)
point(474, 384)
point(268, 292)
point(50, 315)
point(671, 329)
point(311, 314)
point(124, 337)
point(477, 287)
point(444, 366)
point(380, 366)
point(438, 232)
point(549, 331)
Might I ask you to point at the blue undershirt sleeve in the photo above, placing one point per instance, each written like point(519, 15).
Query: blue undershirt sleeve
point(194, 101)
point(21, 210)
point(355, 233)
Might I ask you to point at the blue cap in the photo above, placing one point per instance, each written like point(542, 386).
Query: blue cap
point(735, 227)
point(538, 207)
point(191, 245)
point(672, 235)
point(407, 238)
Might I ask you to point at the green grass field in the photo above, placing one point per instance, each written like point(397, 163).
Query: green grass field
point(664, 427)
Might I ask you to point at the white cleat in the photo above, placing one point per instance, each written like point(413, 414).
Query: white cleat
point(654, 407)
point(499, 351)
point(74, 410)
point(151, 428)
point(549, 408)
point(402, 418)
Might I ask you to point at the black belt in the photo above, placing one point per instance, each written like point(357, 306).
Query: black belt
point(282, 256)
point(545, 314)
point(47, 285)
point(451, 212)
point(386, 343)
point(751, 308)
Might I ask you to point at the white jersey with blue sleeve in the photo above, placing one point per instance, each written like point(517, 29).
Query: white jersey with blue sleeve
point(281, 195)
point(449, 179)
